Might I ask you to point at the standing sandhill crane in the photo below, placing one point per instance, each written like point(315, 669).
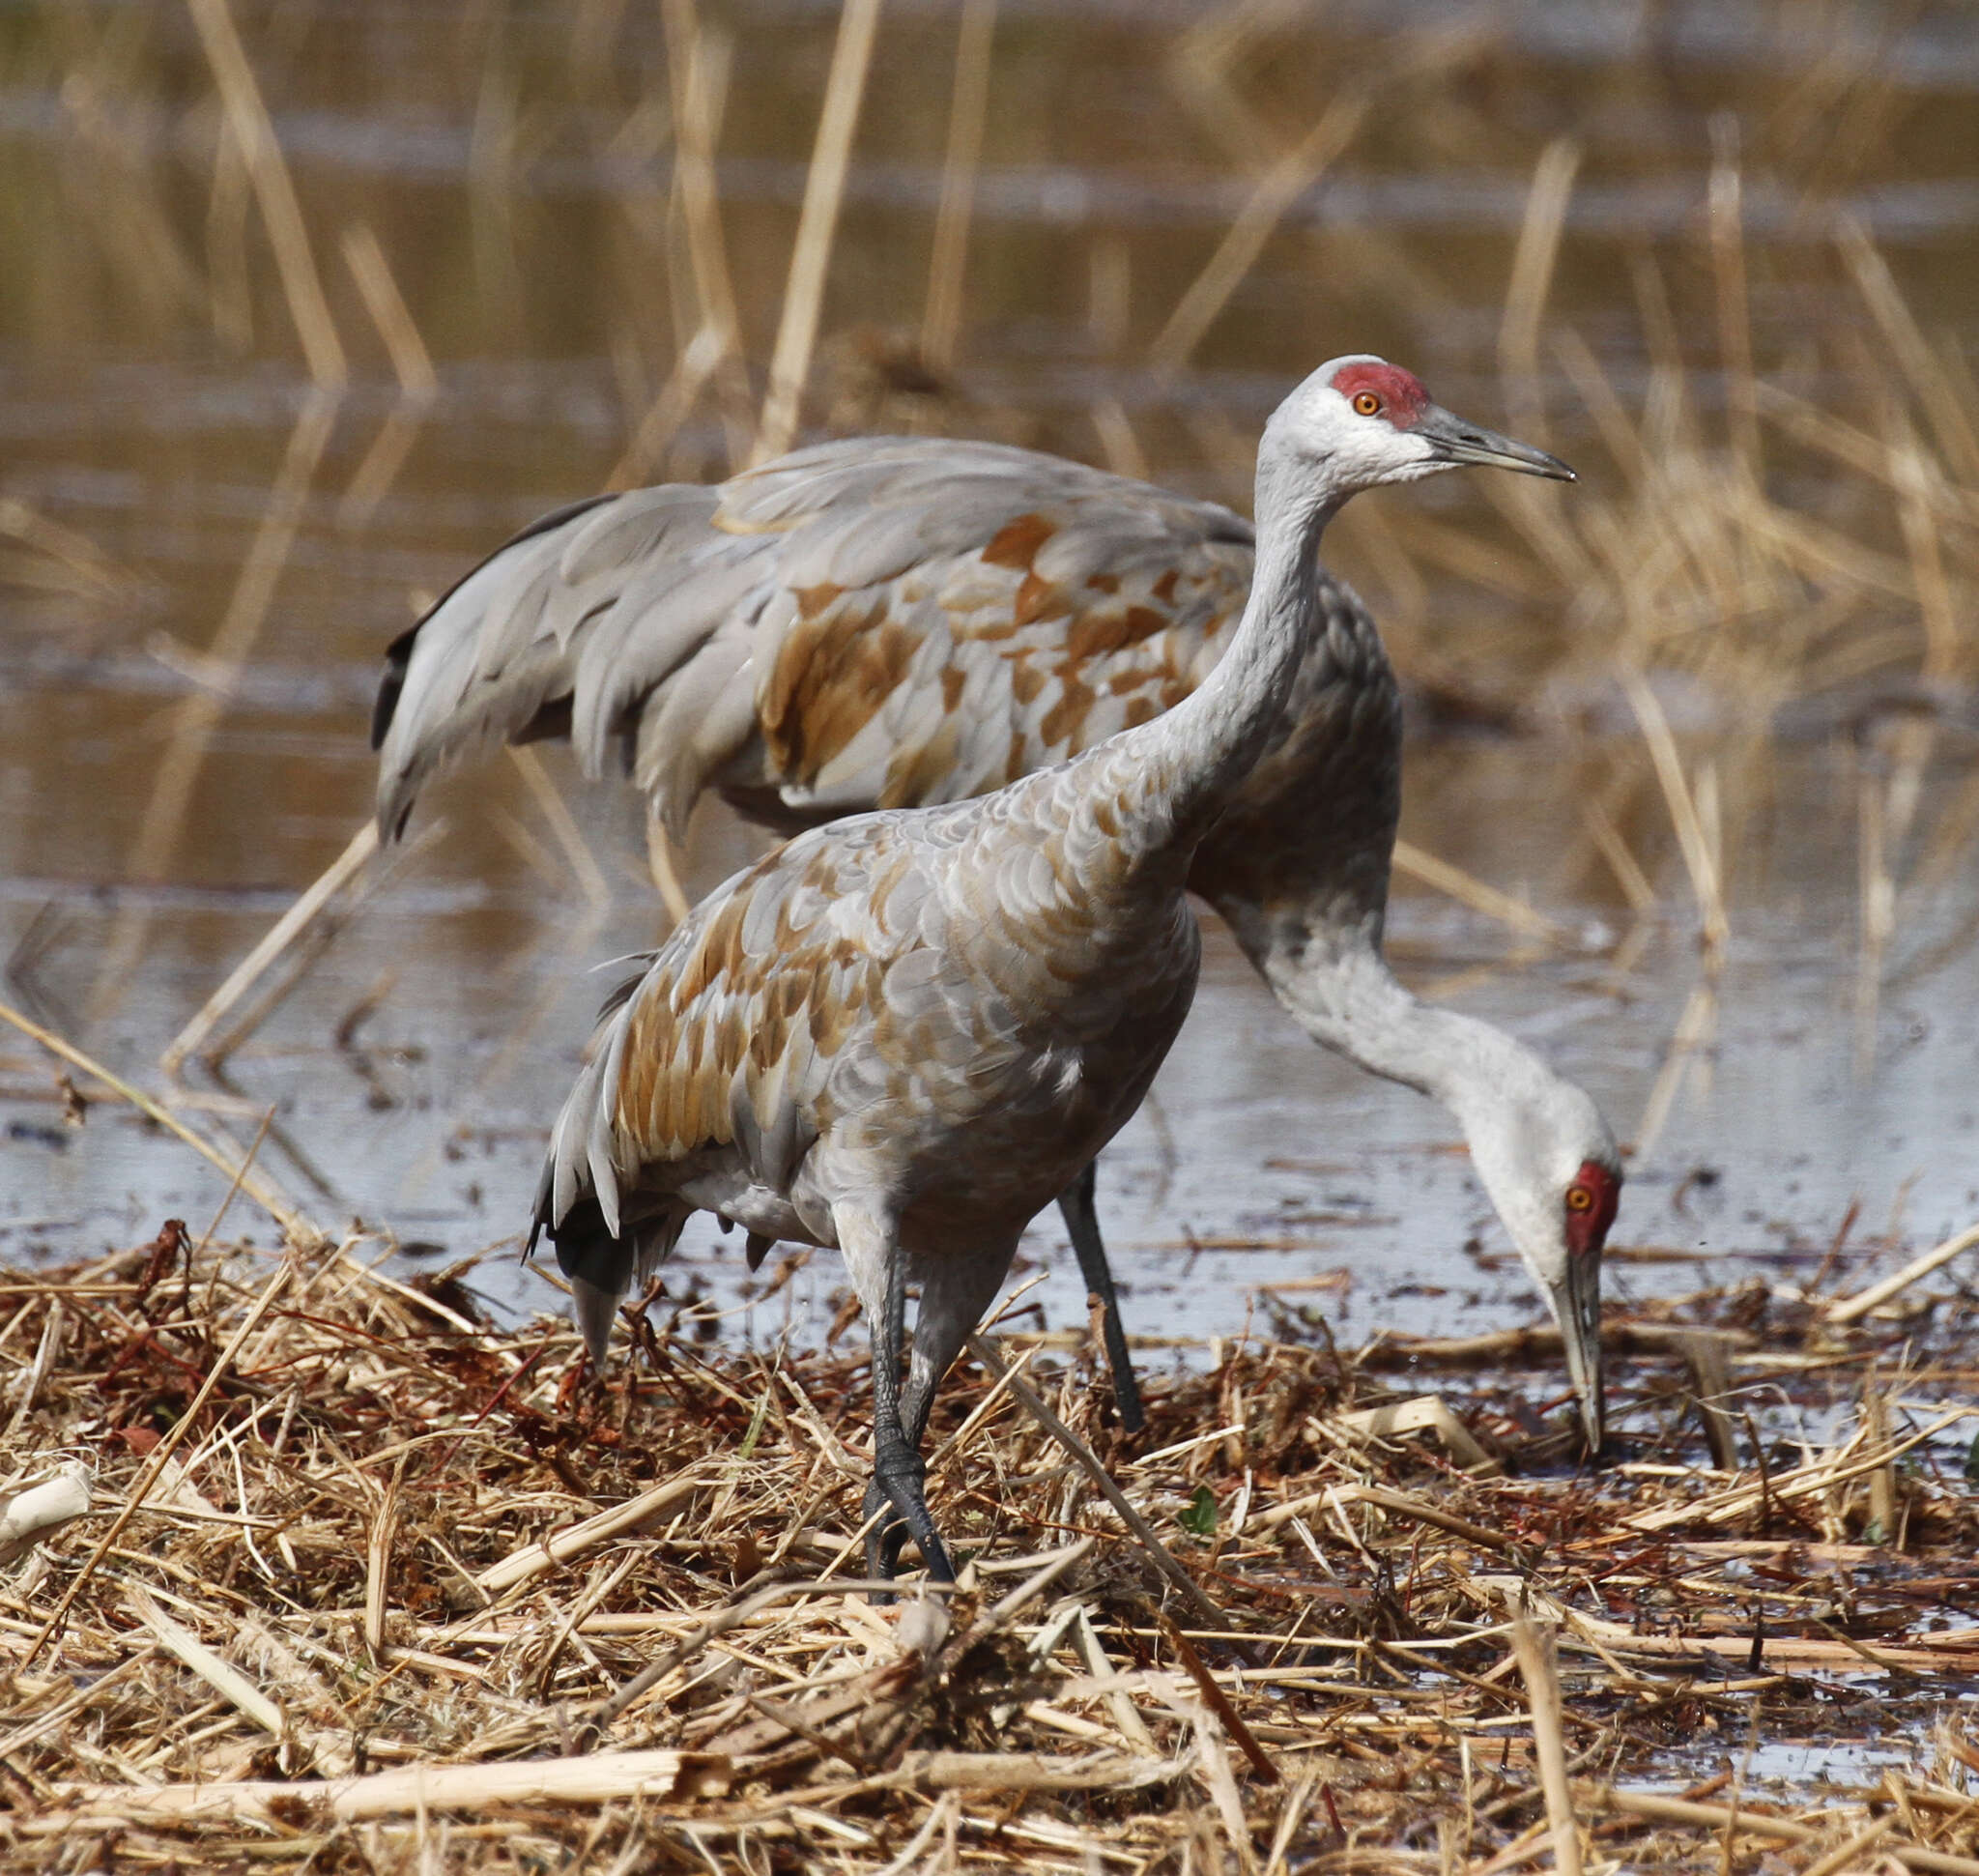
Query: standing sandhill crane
point(902, 1034)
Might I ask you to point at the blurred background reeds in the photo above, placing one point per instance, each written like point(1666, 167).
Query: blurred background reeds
point(305, 305)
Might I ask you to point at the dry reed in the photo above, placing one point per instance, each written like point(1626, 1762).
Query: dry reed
point(789, 364)
point(371, 1577)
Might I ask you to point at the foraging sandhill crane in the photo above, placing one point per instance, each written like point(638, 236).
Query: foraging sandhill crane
point(895, 622)
point(902, 1034)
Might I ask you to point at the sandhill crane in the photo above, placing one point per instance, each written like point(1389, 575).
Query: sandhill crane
point(893, 622)
point(902, 1034)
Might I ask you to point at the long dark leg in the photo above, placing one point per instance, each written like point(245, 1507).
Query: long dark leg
point(899, 1474)
point(1082, 1220)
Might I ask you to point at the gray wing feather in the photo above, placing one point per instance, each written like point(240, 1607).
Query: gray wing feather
point(653, 628)
point(694, 724)
point(656, 618)
point(510, 641)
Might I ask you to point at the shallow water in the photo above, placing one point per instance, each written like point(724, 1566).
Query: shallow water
point(522, 201)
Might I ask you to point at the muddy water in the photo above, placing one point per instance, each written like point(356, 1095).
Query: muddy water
point(515, 168)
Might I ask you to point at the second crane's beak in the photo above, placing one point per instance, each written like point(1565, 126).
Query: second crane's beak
point(1459, 442)
point(1577, 1303)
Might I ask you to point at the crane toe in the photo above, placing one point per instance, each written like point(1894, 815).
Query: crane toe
point(898, 1483)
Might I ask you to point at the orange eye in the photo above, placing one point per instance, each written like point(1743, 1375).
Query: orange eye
point(1367, 403)
point(1579, 1199)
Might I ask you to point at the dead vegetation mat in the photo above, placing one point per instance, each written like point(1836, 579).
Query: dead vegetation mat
point(311, 1566)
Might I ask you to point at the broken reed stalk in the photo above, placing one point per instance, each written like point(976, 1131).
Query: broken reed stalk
point(663, 863)
point(84, 565)
point(596, 1779)
point(734, 1616)
point(1539, 1668)
point(311, 941)
point(1698, 856)
point(377, 1557)
point(280, 936)
point(789, 364)
point(196, 719)
point(1414, 863)
point(1819, 1475)
point(1695, 1023)
point(1937, 392)
point(1853, 1308)
point(699, 362)
point(295, 1224)
point(253, 135)
point(1711, 1377)
point(696, 78)
point(231, 1686)
point(1532, 282)
point(1214, 1696)
point(551, 1552)
point(1724, 199)
point(1399, 1504)
point(1658, 1808)
point(1276, 194)
point(569, 836)
point(417, 381)
point(1845, 1853)
point(948, 258)
point(248, 1159)
point(419, 384)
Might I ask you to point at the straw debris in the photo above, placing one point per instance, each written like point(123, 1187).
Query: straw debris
point(369, 1579)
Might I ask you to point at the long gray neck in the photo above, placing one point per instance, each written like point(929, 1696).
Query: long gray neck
point(1177, 773)
point(1345, 997)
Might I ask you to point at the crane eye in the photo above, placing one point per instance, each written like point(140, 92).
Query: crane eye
point(1367, 403)
point(1579, 1199)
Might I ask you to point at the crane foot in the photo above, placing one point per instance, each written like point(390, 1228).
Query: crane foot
point(899, 1475)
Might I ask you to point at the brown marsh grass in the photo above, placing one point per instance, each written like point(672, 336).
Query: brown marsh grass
point(357, 1578)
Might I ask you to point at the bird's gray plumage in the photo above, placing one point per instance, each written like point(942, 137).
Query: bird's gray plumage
point(878, 622)
point(875, 623)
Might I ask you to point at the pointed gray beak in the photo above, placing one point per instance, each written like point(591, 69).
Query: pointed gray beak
point(1577, 1303)
point(1459, 442)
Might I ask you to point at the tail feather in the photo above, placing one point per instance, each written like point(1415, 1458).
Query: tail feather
point(599, 1267)
point(602, 1268)
point(608, 1235)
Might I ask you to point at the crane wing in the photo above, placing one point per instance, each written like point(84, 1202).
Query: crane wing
point(756, 1027)
point(868, 622)
point(955, 616)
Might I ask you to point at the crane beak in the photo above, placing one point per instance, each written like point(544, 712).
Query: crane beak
point(1459, 442)
point(1577, 1303)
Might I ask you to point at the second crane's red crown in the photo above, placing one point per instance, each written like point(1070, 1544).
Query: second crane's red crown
point(1400, 391)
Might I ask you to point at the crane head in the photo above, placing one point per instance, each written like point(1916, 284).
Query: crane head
point(1552, 1168)
point(1362, 423)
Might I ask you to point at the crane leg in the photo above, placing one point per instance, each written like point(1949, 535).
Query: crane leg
point(659, 856)
point(1082, 1220)
point(898, 1472)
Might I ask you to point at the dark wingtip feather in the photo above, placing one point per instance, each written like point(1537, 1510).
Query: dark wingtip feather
point(398, 658)
point(587, 1252)
point(598, 1267)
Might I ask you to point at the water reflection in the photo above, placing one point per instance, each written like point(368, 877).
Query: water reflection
point(205, 559)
